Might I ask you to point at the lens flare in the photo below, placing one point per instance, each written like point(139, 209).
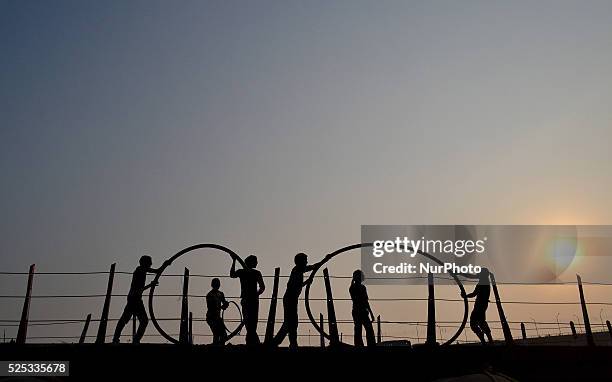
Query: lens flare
point(563, 252)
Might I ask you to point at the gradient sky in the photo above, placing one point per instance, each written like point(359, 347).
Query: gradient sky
point(275, 127)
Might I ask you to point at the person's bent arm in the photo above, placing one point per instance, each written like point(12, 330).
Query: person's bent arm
point(260, 282)
point(224, 302)
point(473, 294)
point(310, 268)
point(367, 301)
point(308, 280)
point(151, 284)
point(157, 270)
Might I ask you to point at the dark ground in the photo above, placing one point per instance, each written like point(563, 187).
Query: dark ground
point(523, 363)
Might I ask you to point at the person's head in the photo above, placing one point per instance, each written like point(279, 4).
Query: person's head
point(215, 283)
point(251, 261)
point(358, 276)
point(301, 259)
point(146, 261)
point(483, 276)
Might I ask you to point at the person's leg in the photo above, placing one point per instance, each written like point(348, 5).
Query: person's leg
point(357, 339)
point(255, 320)
point(246, 317)
point(370, 339)
point(123, 320)
point(251, 311)
point(280, 336)
point(141, 315)
point(213, 329)
point(475, 325)
point(487, 331)
point(218, 330)
point(292, 324)
point(222, 331)
point(476, 329)
point(284, 329)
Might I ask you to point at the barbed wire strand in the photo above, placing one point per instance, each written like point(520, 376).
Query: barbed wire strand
point(345, 277)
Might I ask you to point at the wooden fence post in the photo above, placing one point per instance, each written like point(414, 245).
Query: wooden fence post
point(573, 328)
point(431, 311)
point(101, 337)
point(321, 338)
point(585, 314)
point(272, 313)
point(190, 328)
point(22, 332)
point(523, 331)
point(379, 332)
point(331, 311)
point(133, 328)
point(84, 332)
point(502, 316)
point(184, 329)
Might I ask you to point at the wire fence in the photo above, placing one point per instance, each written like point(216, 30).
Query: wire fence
point(345, 277)
point(554, 326)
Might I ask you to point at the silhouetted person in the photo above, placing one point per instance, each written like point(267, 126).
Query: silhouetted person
point(215, 302)
point(362, 312)
point(251, 286)
point(478, 318)
point(291, 298)
point(135, 306)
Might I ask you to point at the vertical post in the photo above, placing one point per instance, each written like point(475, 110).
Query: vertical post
point(609, 327)
point(379, 333)
point(190, 328)
point(431, 311)
point(133, 328)
point(331, 311)
point(272, 313)
point(502, 316)
point(101, 337)
point(573, 328)
point(184, 330)
point(321, 338)
point(585, 314)
point(84, 332)
point(22, 332)
point(523, 331)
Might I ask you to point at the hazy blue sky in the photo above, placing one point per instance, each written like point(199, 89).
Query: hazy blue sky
point(281, 126)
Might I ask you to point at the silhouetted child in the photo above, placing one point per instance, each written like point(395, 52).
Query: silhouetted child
point(478, 319)
point(291, 298)
point(215, 302)
point(362, 312)
point(135, 306)
point(251, 286)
